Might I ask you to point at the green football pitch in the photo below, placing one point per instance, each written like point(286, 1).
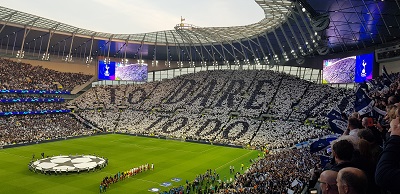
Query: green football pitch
point(172, 159)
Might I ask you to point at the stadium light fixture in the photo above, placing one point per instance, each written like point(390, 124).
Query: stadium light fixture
point(89, 60)
point(107, 60)
point(266, 61)
point(168, 63)
point(140, 61)
point(154, 63)
point(124, 61)
point(20, 54)
point(68, 58)
point(294, 54)
point(46, 56)
point(285, 56)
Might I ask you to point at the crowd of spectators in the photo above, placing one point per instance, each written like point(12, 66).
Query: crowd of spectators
point(365, 158)
point(35, 128)
point(18, 129)
point(279, 172)
point(198, 107)
point(17, 75)
point(221, 92)
point(258, 108)
point(209, 182)
point(286, 96)
point(221, 106)
point(105, 120)
point(281, 134)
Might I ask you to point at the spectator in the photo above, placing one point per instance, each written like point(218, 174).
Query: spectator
point(351, 181)
point(342, 152)
point(327, 182)
point(387, 171)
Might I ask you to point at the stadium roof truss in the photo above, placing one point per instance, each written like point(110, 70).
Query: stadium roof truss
point(290, 29)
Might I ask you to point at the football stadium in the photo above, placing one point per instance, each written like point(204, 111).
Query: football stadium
point(305, 100)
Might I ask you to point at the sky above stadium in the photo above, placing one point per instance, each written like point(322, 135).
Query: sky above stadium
point(138, 16)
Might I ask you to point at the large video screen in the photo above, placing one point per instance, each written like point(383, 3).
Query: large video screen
point(118, 71)
point(348, 70)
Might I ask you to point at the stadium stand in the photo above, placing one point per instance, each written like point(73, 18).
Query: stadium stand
point(18, 125)
point(25, 76)
point(202, 103)
point(35, 128)
point(232, 115)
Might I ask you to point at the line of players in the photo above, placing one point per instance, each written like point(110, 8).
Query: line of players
point(107, 181)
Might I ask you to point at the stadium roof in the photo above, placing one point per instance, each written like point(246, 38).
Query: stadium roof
point(275, 13)
point(290, 30)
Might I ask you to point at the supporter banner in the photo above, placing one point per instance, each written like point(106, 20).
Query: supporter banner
point(324, 160)
point(35, 91)
point(17, 100)
point(363, 104)
point(336, 123)
point(319, 145)
point(33, 112)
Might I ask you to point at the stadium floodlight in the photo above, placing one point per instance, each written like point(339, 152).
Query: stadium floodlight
point(294, 53)
point(309, 49)
point(89, 60)
point(68, 58)
point(246, 61)
point(154, 63)
point(168, 63)
point(140, 61)
point(107, 60)
point(20, 54)
point(266, 61)
point(302, 51)
point(226, 62)
point(285, 56)
point(46, 56)
point(124, 61)
point(180, 64)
